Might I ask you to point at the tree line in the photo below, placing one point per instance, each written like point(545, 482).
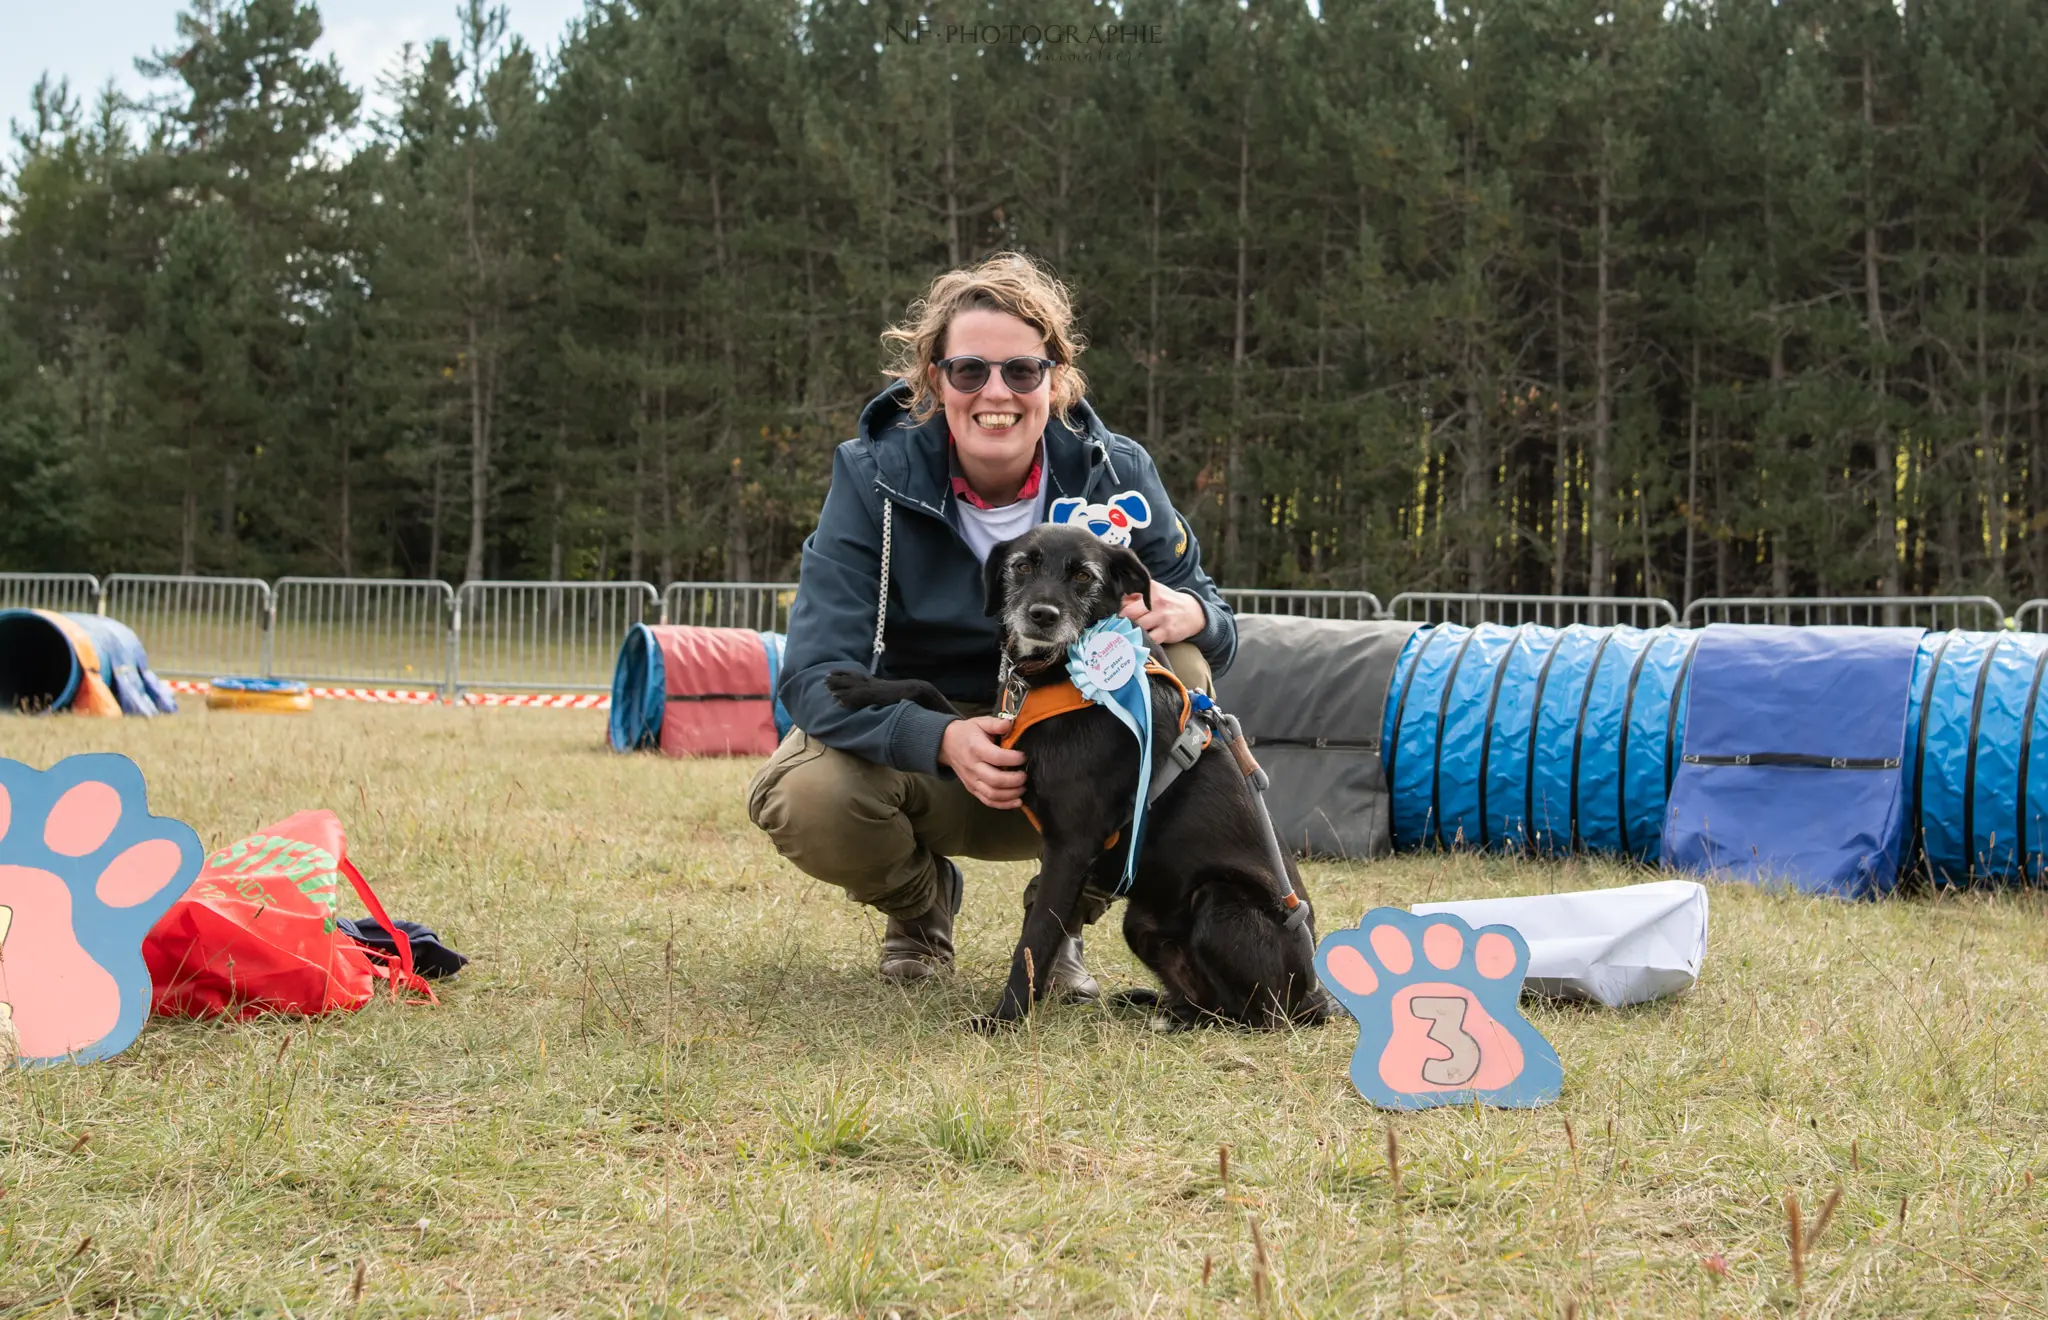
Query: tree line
point(1709, 297)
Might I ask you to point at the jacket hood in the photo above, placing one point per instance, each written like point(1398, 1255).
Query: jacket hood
point(907, 454)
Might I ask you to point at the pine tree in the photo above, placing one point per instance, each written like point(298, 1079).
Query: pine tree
point(243, 156)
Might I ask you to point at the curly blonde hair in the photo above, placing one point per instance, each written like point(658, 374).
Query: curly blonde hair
point(1006, 282)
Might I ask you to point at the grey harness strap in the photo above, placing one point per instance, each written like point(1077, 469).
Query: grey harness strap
point(1186, 749)
point(1180, 758)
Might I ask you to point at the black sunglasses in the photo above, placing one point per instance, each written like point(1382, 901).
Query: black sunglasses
point(968, 374)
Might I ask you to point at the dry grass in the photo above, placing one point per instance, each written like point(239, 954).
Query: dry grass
point(670, 1084)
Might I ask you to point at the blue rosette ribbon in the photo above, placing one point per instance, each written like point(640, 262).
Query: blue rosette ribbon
point(1107, 664)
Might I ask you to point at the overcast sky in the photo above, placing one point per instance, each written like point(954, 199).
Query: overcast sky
point(90, 41)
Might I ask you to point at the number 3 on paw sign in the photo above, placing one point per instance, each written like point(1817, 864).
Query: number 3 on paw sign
point(1436, 1003)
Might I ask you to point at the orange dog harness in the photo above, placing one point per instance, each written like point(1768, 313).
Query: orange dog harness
point(1063, 698)
point(1043, 703)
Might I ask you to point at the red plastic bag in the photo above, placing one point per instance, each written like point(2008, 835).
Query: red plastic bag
point(257, 931)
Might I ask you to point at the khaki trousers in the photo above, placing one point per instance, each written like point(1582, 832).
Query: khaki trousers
point(878, 832)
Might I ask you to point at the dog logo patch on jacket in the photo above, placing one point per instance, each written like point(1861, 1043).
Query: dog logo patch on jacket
point(1113, 520)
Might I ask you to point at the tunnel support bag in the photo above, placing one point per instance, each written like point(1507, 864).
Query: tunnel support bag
point(1793, 758)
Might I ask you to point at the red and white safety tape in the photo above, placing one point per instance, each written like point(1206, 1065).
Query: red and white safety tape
point(555, 700)
point(411, 697)
point(394, 696)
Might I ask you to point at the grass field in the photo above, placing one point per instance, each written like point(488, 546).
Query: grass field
point(670, 1084)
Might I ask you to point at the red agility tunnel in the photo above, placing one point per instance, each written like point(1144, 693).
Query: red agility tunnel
point(698, 691)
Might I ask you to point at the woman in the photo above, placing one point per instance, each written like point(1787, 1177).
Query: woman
point(984, 426)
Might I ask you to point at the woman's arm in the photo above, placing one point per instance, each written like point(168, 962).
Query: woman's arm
point(1173, 557)
point(832, 627)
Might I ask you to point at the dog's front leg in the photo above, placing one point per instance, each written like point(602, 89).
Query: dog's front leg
point(1055, 913)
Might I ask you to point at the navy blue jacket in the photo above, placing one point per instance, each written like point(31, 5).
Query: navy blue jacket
point(936, 629)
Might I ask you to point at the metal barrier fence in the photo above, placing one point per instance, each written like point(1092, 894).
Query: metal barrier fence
point(1304, 604)
point(545, 636)
point(762, 606)
point(360, 631)
point(194, 627)
point(1979, 613)
point(563, 636)
point(72, 593)
point(1473, 608)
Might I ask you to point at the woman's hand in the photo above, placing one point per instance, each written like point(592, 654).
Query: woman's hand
point(992, 772)
point(1175, 616)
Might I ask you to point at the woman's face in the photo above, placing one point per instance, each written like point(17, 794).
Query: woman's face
point(995, 425)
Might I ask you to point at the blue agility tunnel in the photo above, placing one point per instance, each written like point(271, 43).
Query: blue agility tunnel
point(1534, 739)
point(1977, 757)
point(1836, 760)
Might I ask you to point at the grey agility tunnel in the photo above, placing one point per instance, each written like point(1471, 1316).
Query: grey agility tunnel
point(1927, 753)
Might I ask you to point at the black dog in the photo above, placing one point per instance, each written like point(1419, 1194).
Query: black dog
point(1204, 910)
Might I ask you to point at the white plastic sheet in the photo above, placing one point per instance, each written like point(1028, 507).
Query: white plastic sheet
point(1610, 946)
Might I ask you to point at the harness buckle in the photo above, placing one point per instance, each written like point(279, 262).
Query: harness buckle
point(1189, 746)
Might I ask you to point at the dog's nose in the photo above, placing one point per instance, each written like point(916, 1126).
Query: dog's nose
point(1045, 615)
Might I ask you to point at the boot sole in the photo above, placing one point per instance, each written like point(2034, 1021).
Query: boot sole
point(912, 973)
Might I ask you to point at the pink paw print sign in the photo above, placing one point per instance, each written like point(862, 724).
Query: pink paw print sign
point(85, 871)
point(1438, 1015)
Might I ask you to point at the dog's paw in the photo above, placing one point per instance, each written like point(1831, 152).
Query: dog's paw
point(1315, 1009)
point(1143, 998)
point(852, 688)
point(1438, 1020)
point(85, 871)
point(988, 1024)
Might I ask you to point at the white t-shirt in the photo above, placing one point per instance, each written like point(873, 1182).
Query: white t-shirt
point(985, 529)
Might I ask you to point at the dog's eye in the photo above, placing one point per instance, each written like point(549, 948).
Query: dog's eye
point(1083, 576)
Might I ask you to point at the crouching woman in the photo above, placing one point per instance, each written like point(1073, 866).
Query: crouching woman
point(984, 428)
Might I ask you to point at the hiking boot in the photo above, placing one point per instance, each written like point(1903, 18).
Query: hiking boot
point(1070, 980)
point(922, 947)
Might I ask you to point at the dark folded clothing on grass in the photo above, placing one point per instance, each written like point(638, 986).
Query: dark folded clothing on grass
point(430, 958)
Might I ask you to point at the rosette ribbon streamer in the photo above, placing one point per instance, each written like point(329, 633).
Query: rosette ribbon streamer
point(1107, 664)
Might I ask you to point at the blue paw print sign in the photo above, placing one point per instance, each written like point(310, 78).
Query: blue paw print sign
point(1438, 1020)
point(85, 871)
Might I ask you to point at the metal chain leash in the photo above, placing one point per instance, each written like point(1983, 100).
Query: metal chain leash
point(1010, 685)
point(882, 596)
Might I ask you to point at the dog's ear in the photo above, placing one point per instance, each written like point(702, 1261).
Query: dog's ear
point(1127, 571)
point(992, 581)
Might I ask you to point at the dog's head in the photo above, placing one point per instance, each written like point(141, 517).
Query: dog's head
point(1050, 584)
